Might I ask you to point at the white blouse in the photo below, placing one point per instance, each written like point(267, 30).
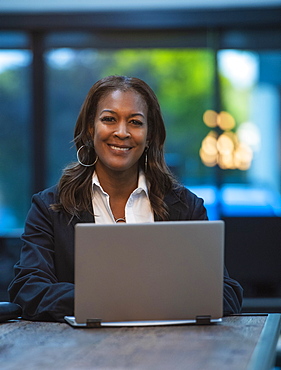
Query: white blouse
point(137, 210)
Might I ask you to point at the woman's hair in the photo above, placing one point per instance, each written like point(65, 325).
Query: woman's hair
point(75, 185)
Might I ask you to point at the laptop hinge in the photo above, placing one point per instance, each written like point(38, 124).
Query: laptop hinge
point(93, 323)
point(203, 320)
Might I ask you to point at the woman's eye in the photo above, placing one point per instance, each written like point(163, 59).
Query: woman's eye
point(108, 119)
point(136, 122)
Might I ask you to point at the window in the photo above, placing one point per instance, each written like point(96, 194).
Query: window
point(250, 90)
point(15, 167)
point(183, 73)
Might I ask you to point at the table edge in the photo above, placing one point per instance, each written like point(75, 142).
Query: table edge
point(264, 353)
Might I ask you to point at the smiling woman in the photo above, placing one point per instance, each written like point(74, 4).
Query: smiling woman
point(121, 124)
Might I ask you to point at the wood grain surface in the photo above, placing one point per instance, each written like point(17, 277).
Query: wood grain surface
point(41, 345)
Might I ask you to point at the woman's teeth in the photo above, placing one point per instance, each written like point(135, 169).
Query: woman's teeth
point(118, 148)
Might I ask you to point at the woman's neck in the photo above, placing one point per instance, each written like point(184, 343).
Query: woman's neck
point(118, 183)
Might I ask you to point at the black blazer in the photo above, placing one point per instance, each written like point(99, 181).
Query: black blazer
point(44, 275)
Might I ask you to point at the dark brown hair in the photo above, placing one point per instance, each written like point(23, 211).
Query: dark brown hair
point(75, 184)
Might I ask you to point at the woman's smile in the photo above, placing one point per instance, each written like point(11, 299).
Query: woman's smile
point(119, 148)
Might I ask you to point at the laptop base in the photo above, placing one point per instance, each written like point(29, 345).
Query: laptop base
point(96, 323)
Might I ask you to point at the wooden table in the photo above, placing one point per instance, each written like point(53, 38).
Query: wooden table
point(239, 342)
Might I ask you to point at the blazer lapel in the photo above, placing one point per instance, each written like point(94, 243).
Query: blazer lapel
point(177, 209)
point(85, 217)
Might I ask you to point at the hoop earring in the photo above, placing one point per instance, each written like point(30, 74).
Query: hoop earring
point(83, 164)
point(145, 160)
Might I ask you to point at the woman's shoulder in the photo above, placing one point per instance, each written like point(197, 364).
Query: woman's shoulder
point(49, 195)
point(183, 193)
point(191, 206)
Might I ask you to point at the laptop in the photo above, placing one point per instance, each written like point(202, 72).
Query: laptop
point(158, 273)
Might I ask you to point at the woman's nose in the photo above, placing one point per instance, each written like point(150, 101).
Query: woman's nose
point(122, 130)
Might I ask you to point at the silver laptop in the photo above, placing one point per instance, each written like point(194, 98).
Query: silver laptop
point(148, 274)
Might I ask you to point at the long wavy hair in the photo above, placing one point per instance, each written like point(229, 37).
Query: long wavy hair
point(75, 185)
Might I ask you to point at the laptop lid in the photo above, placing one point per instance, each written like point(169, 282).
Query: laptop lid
point(162, 272)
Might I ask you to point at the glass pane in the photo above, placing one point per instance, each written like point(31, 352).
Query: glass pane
point(14, 138)
point(250, 89)
point(181, 78)
point(13, 40)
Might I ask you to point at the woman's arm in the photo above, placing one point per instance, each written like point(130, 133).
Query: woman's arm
point(233, 292)
point(232, 295)
point(36, 287)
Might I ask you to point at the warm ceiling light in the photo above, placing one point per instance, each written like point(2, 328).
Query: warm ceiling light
point(210, 118)
point(226, 121)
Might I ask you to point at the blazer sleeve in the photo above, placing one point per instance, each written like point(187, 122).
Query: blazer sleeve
point(232, 295)
point(192, 208)
point(36, 287)
point(232, 290)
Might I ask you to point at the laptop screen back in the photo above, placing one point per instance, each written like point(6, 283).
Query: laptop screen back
point(156, 271)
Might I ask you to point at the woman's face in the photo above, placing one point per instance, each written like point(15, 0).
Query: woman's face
point(120, 130)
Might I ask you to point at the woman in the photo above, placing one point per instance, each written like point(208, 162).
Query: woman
point(120, 176)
